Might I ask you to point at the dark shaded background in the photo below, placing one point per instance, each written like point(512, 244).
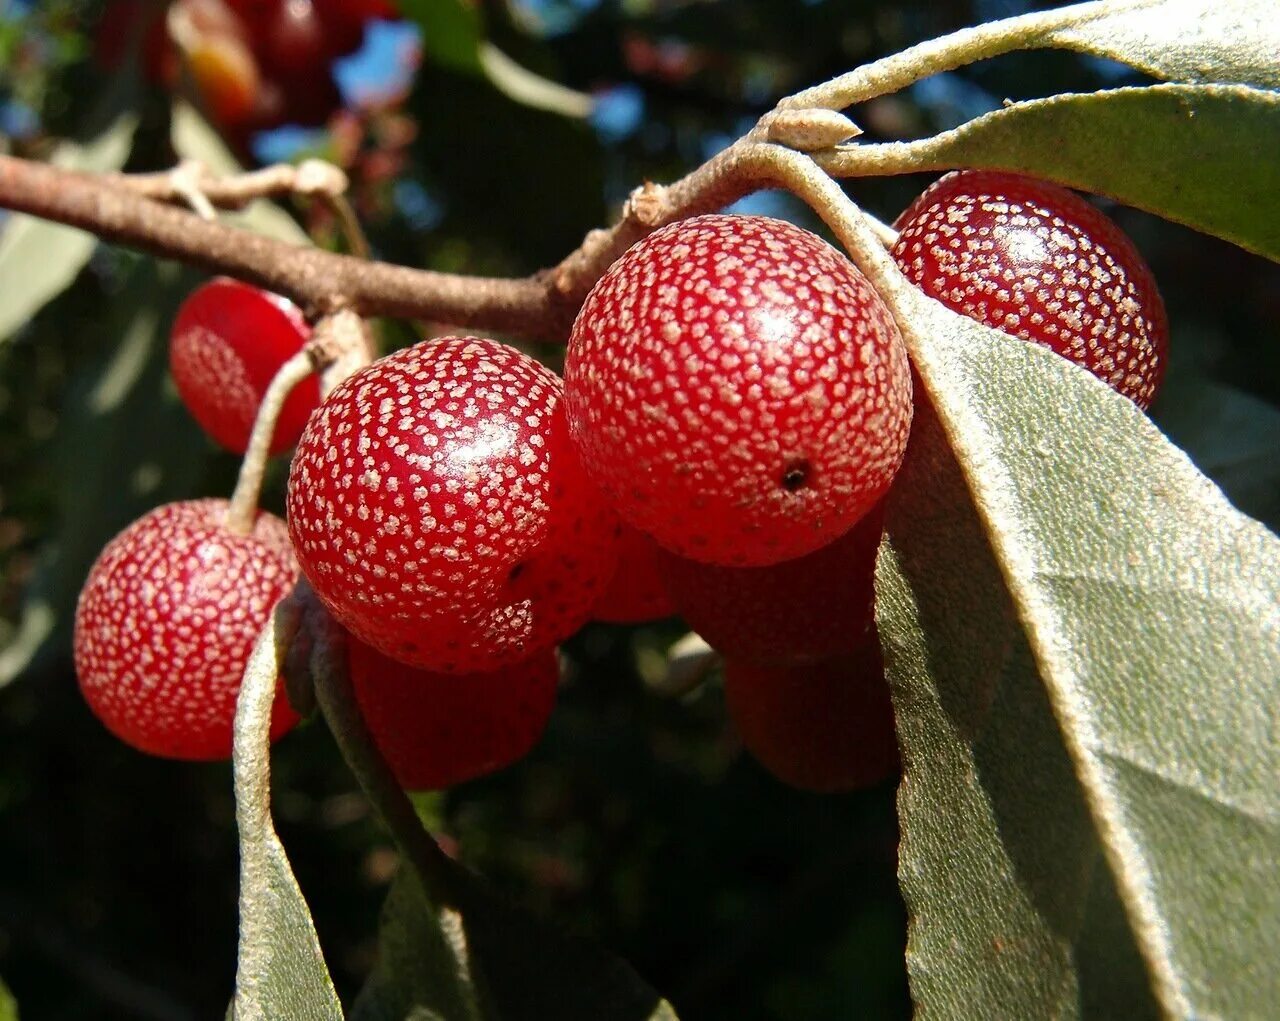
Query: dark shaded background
point(637, 819)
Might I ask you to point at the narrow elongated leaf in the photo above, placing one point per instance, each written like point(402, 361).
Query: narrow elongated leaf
point(531, 970)
point(1183, 40)
point(998, 854)
point(195, 139)
point(1152, 608)
point(418, 973)
point(38, 259)
point(8, 1005)
point(491, 961)
point(997, 846)
point(281, 971)
point(1204, 155)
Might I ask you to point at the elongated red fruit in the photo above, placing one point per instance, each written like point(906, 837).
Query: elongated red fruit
point(1039, 262)
point(738, 389)
point(167, 619)
point(437, 730)
point(228, 342)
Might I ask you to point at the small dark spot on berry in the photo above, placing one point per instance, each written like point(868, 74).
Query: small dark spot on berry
point(516, 571)
point(795, 475)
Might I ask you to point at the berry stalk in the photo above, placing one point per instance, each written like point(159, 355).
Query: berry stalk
point(244, 500)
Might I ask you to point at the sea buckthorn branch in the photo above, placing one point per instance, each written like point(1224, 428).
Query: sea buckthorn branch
point(127, 209)
point(321, 282)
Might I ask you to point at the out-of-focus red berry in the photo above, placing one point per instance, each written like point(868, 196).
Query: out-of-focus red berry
point(228, 342)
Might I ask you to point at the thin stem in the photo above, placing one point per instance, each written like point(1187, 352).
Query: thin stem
point(349, 223)
point(442, 879)
point(244, 500)
point(311, 177)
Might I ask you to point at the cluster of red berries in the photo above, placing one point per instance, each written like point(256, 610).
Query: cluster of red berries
point(735, 404)
point(256, 64)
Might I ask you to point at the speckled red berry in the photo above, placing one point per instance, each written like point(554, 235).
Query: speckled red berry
point(814, 607)
point(739, 390)
point(1039, 262)
point(167, 619)
point(825, 726)
point(227, 343)
point(437, 730)
point(441, 513)
point(637, 592)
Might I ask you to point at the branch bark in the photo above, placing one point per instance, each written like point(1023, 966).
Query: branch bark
point(321, 282)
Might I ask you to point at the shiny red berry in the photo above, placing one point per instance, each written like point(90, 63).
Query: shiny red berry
point(811, 608)
point(441, 513)
point(167, 619)
point(739, 390)
point(824, 726)
point(228, 342)
point(637, 592)
point(1039, 262)
point(437, 730)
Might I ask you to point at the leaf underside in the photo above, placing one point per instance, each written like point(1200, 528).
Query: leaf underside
point(492, 960)
point(1151, 609)
point(1207, 156)
point(1183, 40)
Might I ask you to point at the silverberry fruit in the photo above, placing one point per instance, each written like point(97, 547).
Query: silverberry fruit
point(824, 726)
point(739, 389)
point(637, 592)
point(1039, 262)
point(228, 341)
point(811, 608)
point(166, 622)
point(440, 510)
point(437, 730)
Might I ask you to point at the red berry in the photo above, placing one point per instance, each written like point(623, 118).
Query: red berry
point(440, 511)
point(293, 43)
point(1041, 263)
point(228, 342)
point(437, 730)
point(739, 390)
point(815, 607)
point(825, 726)
point(637, 592)
point(167, 619)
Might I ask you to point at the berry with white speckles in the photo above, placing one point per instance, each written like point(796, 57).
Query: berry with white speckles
point(637, 592)
point(167, 619)
point(437, 730)
point(824, 726)
point(1039, 262)
point(739, 389)
point(228, 342)
point(811, 608)
point(440, 510)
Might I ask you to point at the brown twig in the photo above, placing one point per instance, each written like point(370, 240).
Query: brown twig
point(319, 281)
